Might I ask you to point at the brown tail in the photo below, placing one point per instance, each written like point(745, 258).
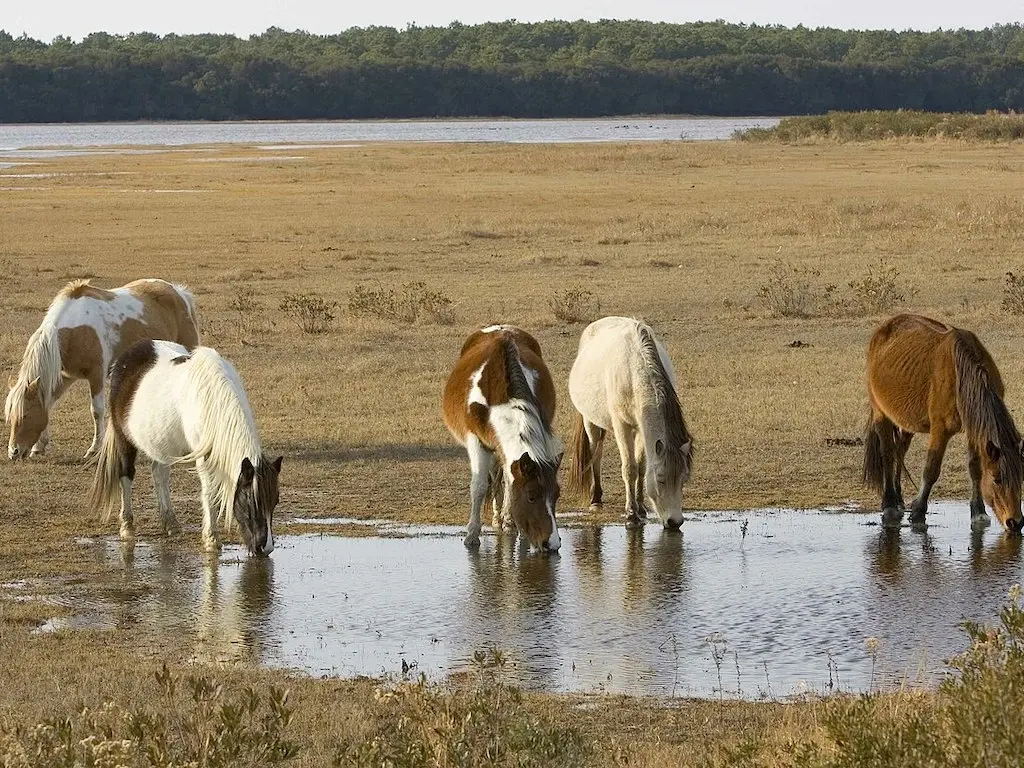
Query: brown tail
point(106, 485)
point(874, 467)
point(581, 471)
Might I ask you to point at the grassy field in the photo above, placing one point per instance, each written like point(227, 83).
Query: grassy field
point(708, 242)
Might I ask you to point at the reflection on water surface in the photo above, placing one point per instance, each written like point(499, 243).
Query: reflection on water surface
point(786, 607)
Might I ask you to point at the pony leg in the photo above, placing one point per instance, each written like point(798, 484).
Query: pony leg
point(211, 542)
point(979, 517)
point(881, 468)
point(932, 466)
point(44, 439)
point(903, 439)
point(480, 460)
point(162, 492)
point(98, 412)
point(641, 478)
point(127, 460)
point(624, 438)
point(496, 488)
point(596, 437)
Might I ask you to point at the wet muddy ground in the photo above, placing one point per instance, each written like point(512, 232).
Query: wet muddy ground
point(759, 604)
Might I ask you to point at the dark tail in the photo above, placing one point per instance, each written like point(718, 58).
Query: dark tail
point(581, 471)
point(106, 485)
point(874, 466)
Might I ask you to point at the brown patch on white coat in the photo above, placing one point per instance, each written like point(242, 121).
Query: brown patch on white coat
point(499, 402)
point(83, 330)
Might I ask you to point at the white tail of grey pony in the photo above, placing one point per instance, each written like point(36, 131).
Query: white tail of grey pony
point(622, 382)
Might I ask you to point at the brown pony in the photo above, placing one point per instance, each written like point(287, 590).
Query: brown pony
point(499, 402)
point(925, 376)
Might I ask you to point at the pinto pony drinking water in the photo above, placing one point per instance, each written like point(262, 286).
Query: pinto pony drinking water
point(177, 406)
point(83, 330)
point(622, 382)
point(928, 377)
point(499, 402)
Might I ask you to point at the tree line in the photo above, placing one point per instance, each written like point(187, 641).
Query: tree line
point(548, 69)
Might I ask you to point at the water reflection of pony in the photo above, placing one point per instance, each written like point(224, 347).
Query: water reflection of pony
point(928, 377)
point(82, 331)
point(622, 381)
point(181, 406)
point(499, 402)
point(231, 624)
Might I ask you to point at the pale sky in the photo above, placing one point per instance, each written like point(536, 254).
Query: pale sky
point(45, 19)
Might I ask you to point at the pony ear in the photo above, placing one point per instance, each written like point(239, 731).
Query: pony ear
point(277, 464)
point(687, 448)
point(248, 471)
point(1021, 447)
point(32, 387)
point(524, 468)
point(12, 379)
point(992, 450)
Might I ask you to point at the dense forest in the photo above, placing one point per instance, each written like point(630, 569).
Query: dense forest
point(549, 69)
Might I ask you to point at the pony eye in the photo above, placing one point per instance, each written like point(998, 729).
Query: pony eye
point(997, 479)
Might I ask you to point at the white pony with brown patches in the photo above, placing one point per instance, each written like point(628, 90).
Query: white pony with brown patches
point(84, 329)
point(622, 382)
point(179, 406)
point(499, 402)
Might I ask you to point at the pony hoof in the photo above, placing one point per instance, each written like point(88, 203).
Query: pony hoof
point(596, 506)
point(211, 545)
point(127, 532)
point(472, 540)
point(634, 521)
point(172, 530)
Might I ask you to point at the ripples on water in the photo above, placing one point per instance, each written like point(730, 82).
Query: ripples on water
point(19, 138)
point(785, 608)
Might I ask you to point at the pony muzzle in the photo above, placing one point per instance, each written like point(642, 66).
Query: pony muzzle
point(1015, 525)
point(553, 543)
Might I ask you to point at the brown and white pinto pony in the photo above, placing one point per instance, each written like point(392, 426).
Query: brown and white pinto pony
point(83, 330)
point(928, 377)
point(499, 402)
point(178, 405)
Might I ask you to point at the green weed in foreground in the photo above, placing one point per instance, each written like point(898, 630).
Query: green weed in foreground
point(483, 723)
point(975, 718)
point(888, 124)
point(195, 722)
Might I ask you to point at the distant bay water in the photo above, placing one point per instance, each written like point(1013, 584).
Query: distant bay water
point(23, 140)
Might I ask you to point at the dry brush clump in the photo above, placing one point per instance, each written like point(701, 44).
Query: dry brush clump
point(800, 292)
point(195, 721)
point(310, 312)
point(574, 305)
point(482, 722)
point(873, 125)
point(408, 304)
point(1013, 293)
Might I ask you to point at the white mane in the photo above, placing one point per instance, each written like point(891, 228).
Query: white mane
point(41, 360)
point(520, 429)
point(229, 430)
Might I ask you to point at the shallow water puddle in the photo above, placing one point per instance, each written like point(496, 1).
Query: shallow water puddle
point(787, 606)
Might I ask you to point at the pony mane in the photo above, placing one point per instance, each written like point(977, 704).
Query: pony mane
point(984, 414)
point(41, 359)
point(523, 415)
point(676, 431)
point(229, 429)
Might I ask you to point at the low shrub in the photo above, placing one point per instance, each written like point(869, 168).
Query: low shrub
point(408, 303)
point(310, 312)
point(574, 305)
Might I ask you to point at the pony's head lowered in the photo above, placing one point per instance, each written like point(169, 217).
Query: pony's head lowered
point(666, 471)
point(533, 496)
point(1001, 471)
point(27, 414)
point(669, 450)
point(256, 495)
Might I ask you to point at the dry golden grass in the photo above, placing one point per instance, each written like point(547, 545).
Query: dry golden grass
point(683, 235)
